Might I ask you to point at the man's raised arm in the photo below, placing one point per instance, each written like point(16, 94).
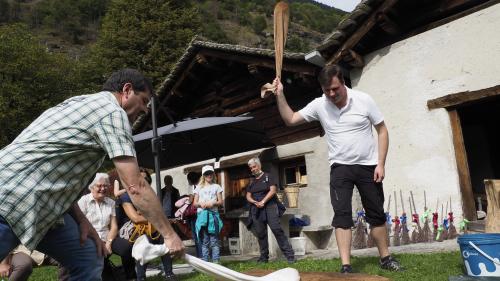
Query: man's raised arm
point(290, 117)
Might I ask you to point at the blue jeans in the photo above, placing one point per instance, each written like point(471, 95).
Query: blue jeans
point(197, 244)
point(209, 242)
point(63, 244)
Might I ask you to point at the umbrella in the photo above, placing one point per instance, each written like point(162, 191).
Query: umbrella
point(200, 139)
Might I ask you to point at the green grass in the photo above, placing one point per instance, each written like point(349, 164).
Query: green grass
point(419, 267)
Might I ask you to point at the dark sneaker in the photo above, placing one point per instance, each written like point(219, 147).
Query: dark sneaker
point(291, 260)
point(346, 268)
point(171, 277)
point(390, 263)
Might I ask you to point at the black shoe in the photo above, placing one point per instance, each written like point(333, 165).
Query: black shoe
point(346, 268)
point(390, 263)
point(262, 260)
point(291, 260)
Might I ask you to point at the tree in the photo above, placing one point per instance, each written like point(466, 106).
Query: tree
point(259, 24)
point(4, 11)
point(148, 35)
point(32, 80)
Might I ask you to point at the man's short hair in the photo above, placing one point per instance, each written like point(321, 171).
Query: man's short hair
point(169, 178)
point(119, 78)
point(328, 72)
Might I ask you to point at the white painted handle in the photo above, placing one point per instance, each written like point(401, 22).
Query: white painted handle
point(483, 253)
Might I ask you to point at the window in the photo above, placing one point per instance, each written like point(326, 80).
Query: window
point(293, 171)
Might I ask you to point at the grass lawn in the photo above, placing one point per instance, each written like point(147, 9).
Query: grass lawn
point(418, 267)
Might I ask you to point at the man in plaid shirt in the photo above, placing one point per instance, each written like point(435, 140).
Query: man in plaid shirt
point(43, 171)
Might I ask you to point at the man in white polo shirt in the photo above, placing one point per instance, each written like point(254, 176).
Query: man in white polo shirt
point(347, 117)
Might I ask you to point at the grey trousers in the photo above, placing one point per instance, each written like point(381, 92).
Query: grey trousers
point(22, 267)
point(260, 230)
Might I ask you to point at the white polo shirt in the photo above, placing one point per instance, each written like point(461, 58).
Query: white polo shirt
point(348, 130)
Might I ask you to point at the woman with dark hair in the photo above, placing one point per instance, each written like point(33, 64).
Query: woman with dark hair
point(132, 214)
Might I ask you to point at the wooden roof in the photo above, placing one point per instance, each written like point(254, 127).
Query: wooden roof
point(374, 24)
point(212, 79)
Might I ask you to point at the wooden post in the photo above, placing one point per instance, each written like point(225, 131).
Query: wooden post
point(492, 189)
point(468, 206)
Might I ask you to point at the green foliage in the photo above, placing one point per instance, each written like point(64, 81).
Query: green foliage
point(259, 24)
point(256, 14)
point(4, 11)
point(32, 80)
point(148, 35)
point(212, 30)
point(71, 17)
point(297, 44)
point(314, 17)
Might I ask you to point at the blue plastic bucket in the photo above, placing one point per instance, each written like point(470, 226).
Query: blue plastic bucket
point(481, 253)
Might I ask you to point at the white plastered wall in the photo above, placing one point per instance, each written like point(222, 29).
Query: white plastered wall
point(463, 55)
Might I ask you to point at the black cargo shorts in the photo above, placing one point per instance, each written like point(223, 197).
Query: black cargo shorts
point(343, 178)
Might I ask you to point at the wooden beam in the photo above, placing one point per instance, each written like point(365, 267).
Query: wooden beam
point(463, 97)
point(388, 25)
point(362, 31)
point(303, 135)
point(420, 29)
point(267, 62)
point(293, 132)
point(200, 59)
point(205, 111)
point(178, 81)
point(247, 95)
point(253, 69)
point(357, 59)
point(464, 179)
point(450, 4)
point(250, 106)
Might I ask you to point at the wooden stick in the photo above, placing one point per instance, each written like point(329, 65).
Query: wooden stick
point(442, 209)
point(425, 201)
point(413, 201)
point(402, 202)
point(395, 203)
point(281, 16)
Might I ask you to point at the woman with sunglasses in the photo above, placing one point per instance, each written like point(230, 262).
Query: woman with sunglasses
point(208, 197)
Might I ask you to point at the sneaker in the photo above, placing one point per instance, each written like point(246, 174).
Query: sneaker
point(390, 263)
point(171, 277)
point(291, 260)
point(346, 268)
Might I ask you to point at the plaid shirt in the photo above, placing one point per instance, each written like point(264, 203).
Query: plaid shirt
point(44, 170)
